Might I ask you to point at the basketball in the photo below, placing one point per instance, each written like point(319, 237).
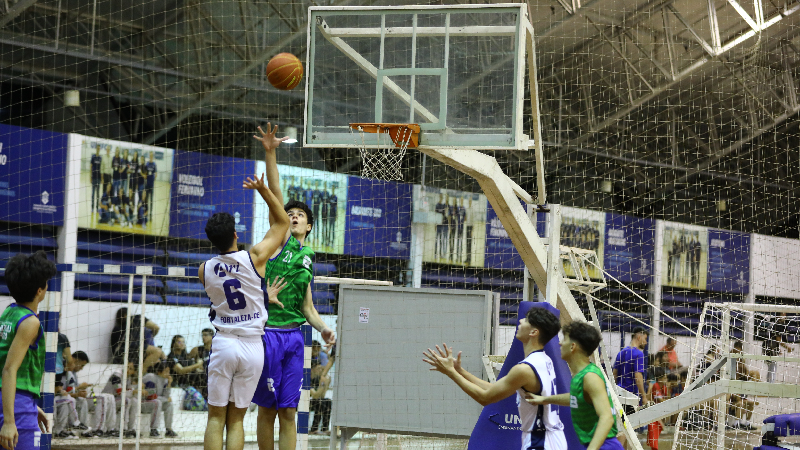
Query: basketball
point(284, 71)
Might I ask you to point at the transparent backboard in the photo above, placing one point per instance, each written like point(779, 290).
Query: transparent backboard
point(457, 71)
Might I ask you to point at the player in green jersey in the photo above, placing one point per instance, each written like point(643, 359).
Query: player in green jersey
point(22, 351)
point(589, 400)
point(278, 391)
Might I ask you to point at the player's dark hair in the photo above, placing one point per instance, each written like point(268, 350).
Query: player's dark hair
point(25, 274)
point(546, 322)
point(586, 336)
point(637, 330)
point(305, 208)
point(221, 229)
point(207, 330)
point(738, 344)
point(80, 355)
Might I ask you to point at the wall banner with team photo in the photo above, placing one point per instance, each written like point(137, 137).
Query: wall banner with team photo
point(325, 193)
point(124, 187)
point(378, 218)
point(684, 256)
point(630, 248)
point(32, 170)
point(204, 184)
point(500, 250)
point(728, 261)
point(454, 230)
point(584, 229)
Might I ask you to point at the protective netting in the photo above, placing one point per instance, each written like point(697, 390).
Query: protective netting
point(670, 134)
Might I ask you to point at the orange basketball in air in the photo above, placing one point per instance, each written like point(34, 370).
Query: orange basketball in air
point(284, 71)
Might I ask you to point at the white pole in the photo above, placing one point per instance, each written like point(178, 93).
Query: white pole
point(655, 288)
point(124, 393)
point(554, 255)
point(141, 360)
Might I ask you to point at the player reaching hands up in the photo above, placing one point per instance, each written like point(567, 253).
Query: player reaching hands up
point(239, 294)
point(541, 427)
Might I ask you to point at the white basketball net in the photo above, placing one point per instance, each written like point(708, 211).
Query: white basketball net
point(382, 163)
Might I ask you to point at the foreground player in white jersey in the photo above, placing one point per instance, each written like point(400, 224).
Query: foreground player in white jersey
point(234, 281)
point(541, 427)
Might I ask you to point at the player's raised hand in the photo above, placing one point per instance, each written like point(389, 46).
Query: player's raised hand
point(273, 289)
point(448, 352)
point(441, 361)
point(268, 139)
point(255, 183)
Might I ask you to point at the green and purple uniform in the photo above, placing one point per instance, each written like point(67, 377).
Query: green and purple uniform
point(29, 375)
point(282, 376)
point(584, 416)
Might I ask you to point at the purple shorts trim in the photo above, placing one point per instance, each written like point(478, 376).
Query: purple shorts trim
point(282, 377)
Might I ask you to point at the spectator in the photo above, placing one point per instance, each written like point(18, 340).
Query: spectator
point(65, 415)
point(105, 411)
point(131, 390)
point(775, 339)
point(202, 352)
point(317, 354)
point(63, 353)
point(152, 353)
point(672, 355)
point(658, 366)
point(659, 391)
point(741, 407)
point(629, 368)
point(186, 368)
point(319, 405)
point(157, 388)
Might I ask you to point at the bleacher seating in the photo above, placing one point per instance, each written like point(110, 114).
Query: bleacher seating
point(15, 239)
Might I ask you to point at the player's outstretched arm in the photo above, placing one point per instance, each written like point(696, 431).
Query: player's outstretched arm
point(270, 143)
point(313, 318)
point(517, 377)
point(560, 399)
point(274, 238)
point(594, 388)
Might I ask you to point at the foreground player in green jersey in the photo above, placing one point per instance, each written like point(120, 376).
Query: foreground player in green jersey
point(22, 351)
point(278, 391)
point(589, 401)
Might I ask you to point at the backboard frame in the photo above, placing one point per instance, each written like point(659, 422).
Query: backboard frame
point(517, 139)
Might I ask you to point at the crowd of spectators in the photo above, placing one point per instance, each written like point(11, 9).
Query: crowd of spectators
point(92, 411)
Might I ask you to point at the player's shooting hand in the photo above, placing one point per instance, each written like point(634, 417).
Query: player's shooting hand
point(273, 289)
point(534, 399)
point(268, 139)
point(442, 361)
point(256, 183)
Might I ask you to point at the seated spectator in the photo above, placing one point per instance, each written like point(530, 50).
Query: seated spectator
point(63, 353)
point(671, 355)
point(105, 411)
point(157, 387)
point(131, 391)
point(659, 391)
point(658, 366)
point(66, 416)
point(153, 354)
point(740, 405)
point(202, 353)
point(188, 371)
point(319, 405)
point(317, 354)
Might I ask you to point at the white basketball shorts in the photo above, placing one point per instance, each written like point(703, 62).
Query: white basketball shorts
point(234, 368)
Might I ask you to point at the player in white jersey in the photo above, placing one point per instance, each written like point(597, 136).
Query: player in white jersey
point(541, 427)
point(234, 282)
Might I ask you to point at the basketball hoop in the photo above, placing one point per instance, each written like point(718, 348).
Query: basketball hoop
point(384, 163)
